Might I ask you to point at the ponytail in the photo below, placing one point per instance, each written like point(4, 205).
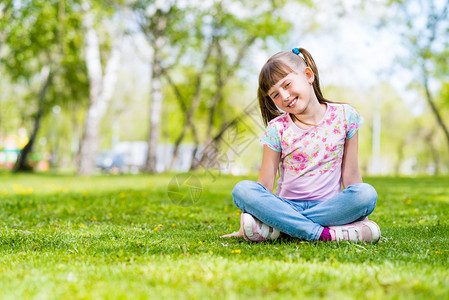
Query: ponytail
point(308, 59)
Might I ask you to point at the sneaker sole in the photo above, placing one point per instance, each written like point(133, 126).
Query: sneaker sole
point(242, 225)
point(375, 230)
point(247, 220)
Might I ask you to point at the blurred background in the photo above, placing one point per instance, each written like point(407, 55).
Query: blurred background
point(126, 86)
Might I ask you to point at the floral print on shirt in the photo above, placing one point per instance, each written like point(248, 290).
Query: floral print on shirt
point(318, 149)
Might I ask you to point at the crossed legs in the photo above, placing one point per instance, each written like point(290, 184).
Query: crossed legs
point(305, 219)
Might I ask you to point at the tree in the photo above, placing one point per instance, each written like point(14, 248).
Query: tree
point(101, 88)
point(425, 36)
point(194, 36)
point(42, 44)
point(192, 108)
point(160, 21)
point(232, 32)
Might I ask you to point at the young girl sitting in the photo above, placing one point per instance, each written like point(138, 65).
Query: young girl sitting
point(315, 142)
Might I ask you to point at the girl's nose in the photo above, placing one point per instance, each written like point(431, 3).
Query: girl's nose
point(285, 95)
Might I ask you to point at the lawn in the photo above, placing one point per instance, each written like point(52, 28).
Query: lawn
point(126, 237)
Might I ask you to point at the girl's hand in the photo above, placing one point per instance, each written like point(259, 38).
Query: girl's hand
point(234, 234)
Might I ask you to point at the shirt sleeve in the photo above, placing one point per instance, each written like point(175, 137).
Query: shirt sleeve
point(353, 121)
point(271, 138)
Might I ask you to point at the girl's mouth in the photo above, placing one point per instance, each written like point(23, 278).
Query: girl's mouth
point(292, 104)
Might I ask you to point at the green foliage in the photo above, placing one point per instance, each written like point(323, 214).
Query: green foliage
point(444, 95)
point(46, 33)
point(10, 109)
point(122, 238)
point(423, 28)
point(232, 33)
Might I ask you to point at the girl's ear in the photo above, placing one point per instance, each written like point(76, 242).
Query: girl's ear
point(309, 74)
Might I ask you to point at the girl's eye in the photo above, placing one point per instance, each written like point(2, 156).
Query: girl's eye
point(275, 96)
point(288, 84)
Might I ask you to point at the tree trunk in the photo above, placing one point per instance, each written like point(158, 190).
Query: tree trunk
point(433, 150)
point(22, 160)
point(155, 109)
point(188, 123)
point(435, 111)
point(101, 91)
point(183, 105)
point(209, 140)
point(196, 144)
point(210, 158)
point(221, 81)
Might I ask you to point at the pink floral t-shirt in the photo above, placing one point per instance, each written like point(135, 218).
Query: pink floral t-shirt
point(311, 159)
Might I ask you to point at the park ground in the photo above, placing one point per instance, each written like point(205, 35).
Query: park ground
point(124, 237)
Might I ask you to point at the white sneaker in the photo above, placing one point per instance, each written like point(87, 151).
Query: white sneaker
point(256, 231)
point(361, 231)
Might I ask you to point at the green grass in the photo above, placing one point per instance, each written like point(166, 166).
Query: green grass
point(119, 237)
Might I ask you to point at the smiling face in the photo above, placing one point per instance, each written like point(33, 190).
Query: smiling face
point(294, 92)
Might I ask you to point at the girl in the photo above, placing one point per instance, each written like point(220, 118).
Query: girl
point(315, 141)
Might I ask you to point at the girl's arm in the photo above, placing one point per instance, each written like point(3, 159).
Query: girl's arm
point(350, 172)
point(270, 164)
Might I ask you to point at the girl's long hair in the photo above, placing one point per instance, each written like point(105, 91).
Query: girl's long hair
point(277, 67)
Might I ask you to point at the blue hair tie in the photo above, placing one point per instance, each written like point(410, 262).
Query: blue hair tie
point(297, 52)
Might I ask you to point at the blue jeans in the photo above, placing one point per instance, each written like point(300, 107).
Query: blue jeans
point(301, 218)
